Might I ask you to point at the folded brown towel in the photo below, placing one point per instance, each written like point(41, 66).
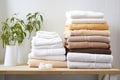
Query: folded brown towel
point(68, 33)
point(92, 51)
point(88, 38)
point(72, 45)
point(87, 26)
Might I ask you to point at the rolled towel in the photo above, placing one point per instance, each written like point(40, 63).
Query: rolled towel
point(76, 14)
point(73, 45)
point(51, 46)
point(87, 26)
point(48, 52)
point(86, 57)
point(56, 64)
point(89, 39)
point(77, 21)
point(68, 33)
point(59, 58)
point(42, 41)
point(46, 34)
point(87, 65)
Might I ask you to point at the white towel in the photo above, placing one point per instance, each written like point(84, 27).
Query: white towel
point(75, 14)
point(86, 57)
point(46, 34)
point(60, 57)
point(48, 52)
point(42, 41)
point(75, 21)
point(60, 45)
point(83, 65)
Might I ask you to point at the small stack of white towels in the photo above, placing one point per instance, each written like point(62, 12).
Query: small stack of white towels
point(47, 47)
point(86, 59)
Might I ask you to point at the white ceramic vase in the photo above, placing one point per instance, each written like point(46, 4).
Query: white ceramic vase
point(10, 55)
point(20, 55)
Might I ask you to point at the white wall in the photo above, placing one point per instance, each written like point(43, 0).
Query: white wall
point(54, 12)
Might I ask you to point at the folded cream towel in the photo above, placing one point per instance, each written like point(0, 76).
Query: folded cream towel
point(76, 21)
point(86, 57)
point(42, 41)
point(75, 14)
point(89, 39)
point(48, 52)
point(56, 64)
point(59, 58)
point(83, 65)
point(46, 34)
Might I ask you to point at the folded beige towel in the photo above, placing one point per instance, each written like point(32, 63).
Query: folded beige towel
point(68, 33)
point(56, 64)
point(102, 26)
point(88, 38)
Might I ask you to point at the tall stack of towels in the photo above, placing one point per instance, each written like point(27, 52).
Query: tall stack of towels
point(47, 47)
point(87, 39)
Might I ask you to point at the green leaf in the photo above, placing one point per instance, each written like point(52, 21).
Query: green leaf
point(28, 14)
point(36, 13)
point(29, 18)
point(38, 22)
point(41, 18)
point(12, 19)
point(24, 34)
point(21, 21)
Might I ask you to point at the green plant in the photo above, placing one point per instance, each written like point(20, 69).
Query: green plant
point(34, 22)
point(12, 31)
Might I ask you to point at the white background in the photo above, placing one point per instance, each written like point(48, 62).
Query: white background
point(54, 14)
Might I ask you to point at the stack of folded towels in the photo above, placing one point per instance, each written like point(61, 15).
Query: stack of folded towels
point(47, 47)
point(87, 39)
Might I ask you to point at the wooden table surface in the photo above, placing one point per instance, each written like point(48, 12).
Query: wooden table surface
point(24, 69)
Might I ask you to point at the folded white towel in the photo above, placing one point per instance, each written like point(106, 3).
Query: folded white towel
point(60, 57)
point(46, 34)
point(71, 21)
point(75, 14)
point(86, 57)
point(42, 41)
point(60, 45)
point(79, 65)
point(48, 52)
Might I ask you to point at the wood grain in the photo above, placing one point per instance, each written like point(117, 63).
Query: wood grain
point(24, 69)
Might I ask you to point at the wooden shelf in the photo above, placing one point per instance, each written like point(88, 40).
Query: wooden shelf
point(24, 69)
